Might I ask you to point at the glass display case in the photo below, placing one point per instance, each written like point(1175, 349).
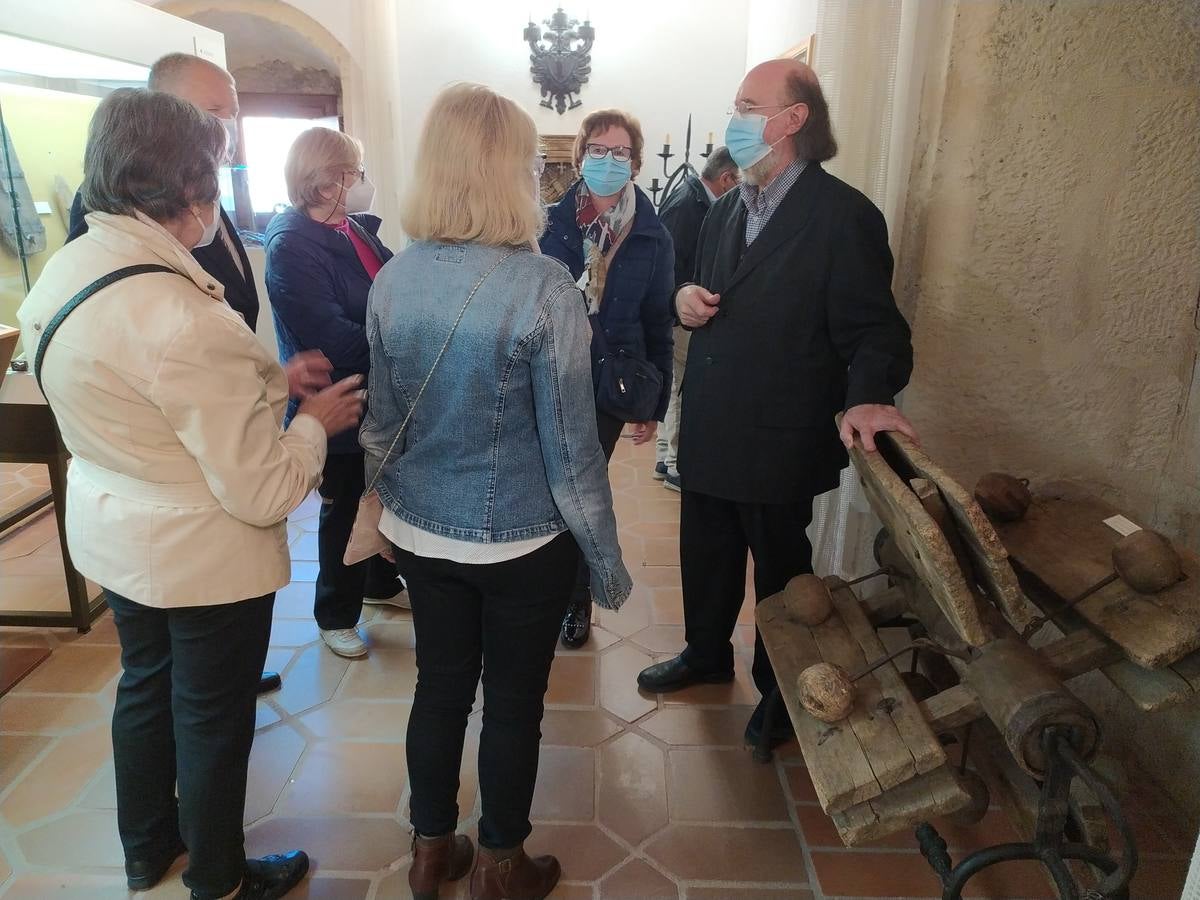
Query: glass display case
point(47, 97)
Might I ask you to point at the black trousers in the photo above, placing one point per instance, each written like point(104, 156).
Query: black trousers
point(714, 536)
point(340, 588)
point(184, 719)
point(501, 619)
point(609, 429)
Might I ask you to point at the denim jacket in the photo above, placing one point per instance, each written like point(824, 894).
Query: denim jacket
point(503, 445)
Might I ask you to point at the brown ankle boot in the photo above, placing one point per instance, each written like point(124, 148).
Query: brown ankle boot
point(437, 860)
point(511, 875)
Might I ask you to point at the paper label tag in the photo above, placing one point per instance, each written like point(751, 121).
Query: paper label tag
point(1122, 525)
point(584, 280)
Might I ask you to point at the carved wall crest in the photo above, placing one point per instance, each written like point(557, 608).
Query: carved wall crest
point(561, 59)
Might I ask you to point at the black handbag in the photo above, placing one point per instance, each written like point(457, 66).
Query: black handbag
point(627, 388)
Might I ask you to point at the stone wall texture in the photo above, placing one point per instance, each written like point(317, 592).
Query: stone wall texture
point(1050, 265)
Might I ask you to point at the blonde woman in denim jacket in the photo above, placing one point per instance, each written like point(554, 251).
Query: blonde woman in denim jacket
point(497, 484)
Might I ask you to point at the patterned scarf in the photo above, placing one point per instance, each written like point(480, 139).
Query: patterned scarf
point(601, 233)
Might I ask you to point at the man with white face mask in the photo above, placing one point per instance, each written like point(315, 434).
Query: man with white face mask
point(322, 256)
point(220, 253)
point(793, 322)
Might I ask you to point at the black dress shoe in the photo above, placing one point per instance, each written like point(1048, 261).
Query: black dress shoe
point(781, 729)
point(675, 674)
point(270, 681)
point(272, 876)
point(577, 624)
point(143, 874)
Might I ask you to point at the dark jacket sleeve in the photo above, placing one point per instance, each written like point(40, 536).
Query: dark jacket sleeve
point(305, 297)
point(683, 221)
point(658, 319)
point(870, 334)
point(79, 225)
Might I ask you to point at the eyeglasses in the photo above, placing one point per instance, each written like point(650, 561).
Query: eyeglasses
point(539, 164)
point(599, 151)
point(361, 172)
point(742, 107)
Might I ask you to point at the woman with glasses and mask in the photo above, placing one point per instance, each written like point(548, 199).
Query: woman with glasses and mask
point(322, 256)
point(606, 231)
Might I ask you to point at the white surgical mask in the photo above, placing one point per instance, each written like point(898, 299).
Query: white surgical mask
point(360, 196)
point(231, 137)
point(210, 230)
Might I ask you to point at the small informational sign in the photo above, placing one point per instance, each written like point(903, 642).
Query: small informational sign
point(1122, 525)
point(42, 207)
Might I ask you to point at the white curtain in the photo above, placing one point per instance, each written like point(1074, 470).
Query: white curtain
point(869, 57)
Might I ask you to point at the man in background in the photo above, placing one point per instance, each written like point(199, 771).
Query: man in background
point(212, 89)
point(683, 213)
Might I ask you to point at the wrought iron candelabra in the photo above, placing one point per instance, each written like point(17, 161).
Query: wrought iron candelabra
point(685, 168)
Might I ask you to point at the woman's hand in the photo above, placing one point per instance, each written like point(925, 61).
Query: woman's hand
point(643, 432)
point(307, 372)
point(337, 408)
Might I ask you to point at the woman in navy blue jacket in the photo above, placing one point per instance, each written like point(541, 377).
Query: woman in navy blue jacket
point(322, 256)
point(606, 231)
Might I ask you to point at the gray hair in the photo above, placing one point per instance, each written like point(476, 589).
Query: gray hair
point(719, 162)
point(168, 71)
point(152, 153)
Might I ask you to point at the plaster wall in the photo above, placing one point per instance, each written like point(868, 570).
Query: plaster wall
point(1051, 267)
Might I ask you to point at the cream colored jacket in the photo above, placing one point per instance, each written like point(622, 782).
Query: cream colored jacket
point(182, 476)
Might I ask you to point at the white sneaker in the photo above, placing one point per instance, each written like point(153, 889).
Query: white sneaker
point(400, 601)
point(345, 642)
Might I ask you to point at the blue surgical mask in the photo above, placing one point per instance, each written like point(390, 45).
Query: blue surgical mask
point(605, 177)
point(744, 138)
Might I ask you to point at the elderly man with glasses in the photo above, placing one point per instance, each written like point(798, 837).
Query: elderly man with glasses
point(793, 321)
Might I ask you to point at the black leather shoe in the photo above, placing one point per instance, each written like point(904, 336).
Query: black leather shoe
point(272, 876)
point(143, 874)
point(675, 674)
point(781, 729)
point(270, 681)
point(577, 624)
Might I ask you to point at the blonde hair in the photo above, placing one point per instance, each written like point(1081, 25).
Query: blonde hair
point(317, 159)
point(473, 179)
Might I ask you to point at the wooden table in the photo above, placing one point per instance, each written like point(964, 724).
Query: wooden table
point(28, 434)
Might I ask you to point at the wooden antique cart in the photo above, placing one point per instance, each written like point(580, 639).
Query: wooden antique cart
point(967, 590)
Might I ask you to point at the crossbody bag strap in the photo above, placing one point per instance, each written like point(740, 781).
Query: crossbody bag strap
point(74, 303)
point(445, 344)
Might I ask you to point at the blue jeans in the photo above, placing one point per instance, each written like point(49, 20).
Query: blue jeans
point(184, 718)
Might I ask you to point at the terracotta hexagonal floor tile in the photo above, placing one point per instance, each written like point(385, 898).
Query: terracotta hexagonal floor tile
point(346, 778)
point(566, 785)
point(631, 618)
point(697, 726)
point(273, 758)
point(638, 879)
point(735, 788)
point(37, 714)
point(74, 669)
point(393, 634)
point(734, 892)
point(342, 844)
point(318, 888)
point(633, 793)
point(57, 778)
point(660, 639)
point(293, 632)
point(666, 606)
point(866, 874)
point(5, 869)
point(372, 720)
point(585, 852)
point(103, 792)
point(576, 727)
point(659, 576)
point(384, 675)
point(699, 853)
point(619, 693)
point(572, 680)
point(295, 601)
point(90, 835)
point(311, 679)
point(67, 886)
point(739, 692)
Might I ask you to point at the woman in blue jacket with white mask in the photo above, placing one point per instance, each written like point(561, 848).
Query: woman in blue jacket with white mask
point(607, 232)
point(322, 256)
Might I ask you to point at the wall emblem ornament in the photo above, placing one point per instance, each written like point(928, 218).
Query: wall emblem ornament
point(560, 61)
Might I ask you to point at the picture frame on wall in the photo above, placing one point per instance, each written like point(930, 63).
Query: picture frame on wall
point(560, 171)
point(803, 51)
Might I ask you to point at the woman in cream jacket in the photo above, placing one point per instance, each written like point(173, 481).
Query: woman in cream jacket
point(180, 483)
